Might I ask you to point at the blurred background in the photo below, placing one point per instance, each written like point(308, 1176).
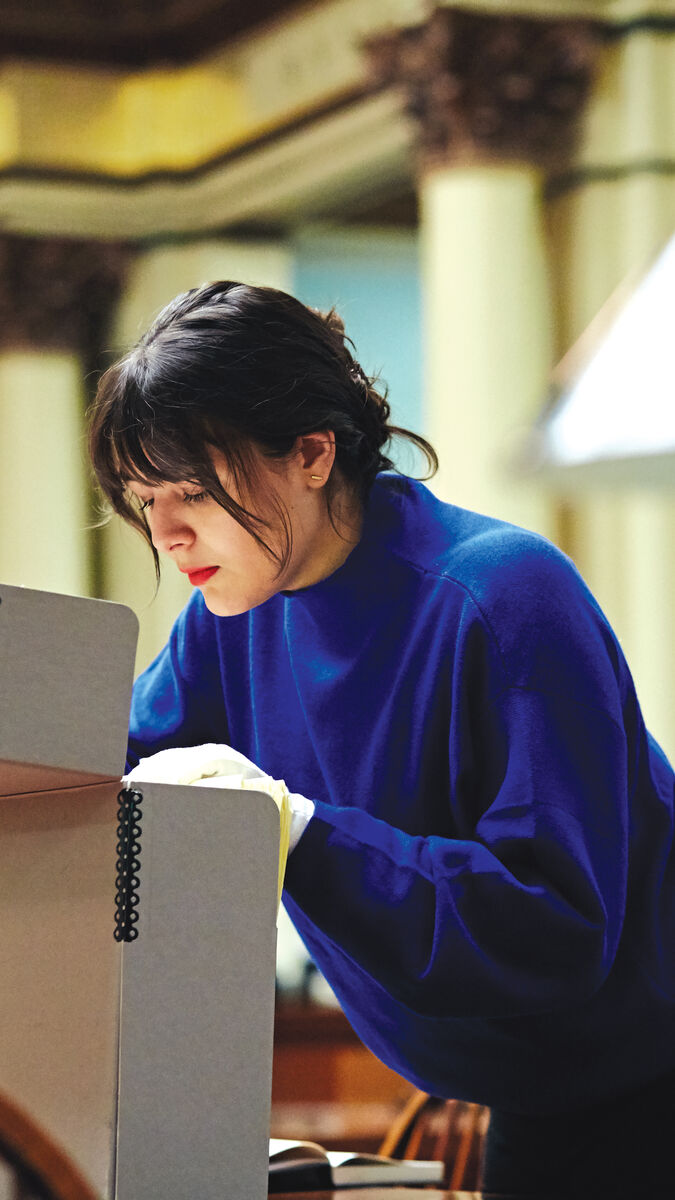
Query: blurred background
point(485, 191)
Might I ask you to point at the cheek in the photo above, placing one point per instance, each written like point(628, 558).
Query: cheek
point(222, 532)
point(235, 548)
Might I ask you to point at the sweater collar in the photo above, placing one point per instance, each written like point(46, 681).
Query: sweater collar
point(381, 528)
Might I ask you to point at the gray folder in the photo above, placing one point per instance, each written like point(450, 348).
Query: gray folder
point(150, 1061)
point(198, 998)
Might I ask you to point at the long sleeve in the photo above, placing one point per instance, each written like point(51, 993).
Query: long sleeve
point(524, 916)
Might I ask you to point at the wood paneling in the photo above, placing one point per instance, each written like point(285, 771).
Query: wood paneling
point(135, 33)
point(326, 1085)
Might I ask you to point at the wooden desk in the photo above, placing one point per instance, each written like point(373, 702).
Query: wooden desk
point(334, 1124)
point(326, 1086)
point(394, 1193)
point(317, 1056)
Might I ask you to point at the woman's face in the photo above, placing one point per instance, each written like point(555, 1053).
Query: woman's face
point(221, 558)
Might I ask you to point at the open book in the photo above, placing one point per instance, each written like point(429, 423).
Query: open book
point(306, 1166)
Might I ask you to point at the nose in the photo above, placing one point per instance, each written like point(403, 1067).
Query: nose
point(169, 528)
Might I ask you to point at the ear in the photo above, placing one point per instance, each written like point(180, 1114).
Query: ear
point(316, 455)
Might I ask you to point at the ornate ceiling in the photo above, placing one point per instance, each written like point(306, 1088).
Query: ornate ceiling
point(128, 32)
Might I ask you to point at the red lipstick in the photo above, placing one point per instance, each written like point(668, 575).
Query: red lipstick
point(198, 577)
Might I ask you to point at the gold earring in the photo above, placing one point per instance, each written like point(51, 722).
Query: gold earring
point(316, 476)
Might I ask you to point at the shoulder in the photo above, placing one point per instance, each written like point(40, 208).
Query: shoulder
point(186, 649)
point(193, 627)
point(197, 638)
point(490, 558)
point(527, 595)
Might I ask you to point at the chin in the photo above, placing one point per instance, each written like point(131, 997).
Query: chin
point(232, 606)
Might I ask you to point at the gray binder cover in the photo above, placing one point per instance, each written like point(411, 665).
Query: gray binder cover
point(66, 669)
point(198, 998)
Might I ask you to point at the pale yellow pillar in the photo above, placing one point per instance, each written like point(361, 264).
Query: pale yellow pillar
point(159, 275)
point(483, 88)
point(487, 319)
point(604, 232)
point(43, 490)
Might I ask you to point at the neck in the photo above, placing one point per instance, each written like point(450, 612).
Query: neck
point(329, 545)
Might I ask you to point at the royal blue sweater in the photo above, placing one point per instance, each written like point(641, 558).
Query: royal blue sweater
point(488, 881)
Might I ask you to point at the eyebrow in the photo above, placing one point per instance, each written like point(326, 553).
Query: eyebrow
point(144, 485)
point(131, 484)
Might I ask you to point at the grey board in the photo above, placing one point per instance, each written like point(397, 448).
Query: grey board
point(60, 968)
point(66, 669)
point(197, 1007)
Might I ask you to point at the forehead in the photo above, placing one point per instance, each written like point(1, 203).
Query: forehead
point(152, 457)
point(139, 486)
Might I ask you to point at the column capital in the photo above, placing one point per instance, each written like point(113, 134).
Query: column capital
point(487, 87)
point(58, 293)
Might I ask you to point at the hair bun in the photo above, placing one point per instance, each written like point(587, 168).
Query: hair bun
point(333, 321)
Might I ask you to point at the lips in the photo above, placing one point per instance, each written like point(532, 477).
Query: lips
point(198, 577)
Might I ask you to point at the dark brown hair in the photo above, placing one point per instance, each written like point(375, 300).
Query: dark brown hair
point(232, 366)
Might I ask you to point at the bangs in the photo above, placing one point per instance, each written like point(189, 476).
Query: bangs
point(133, 440)
point(155, 455)
point(127, 446)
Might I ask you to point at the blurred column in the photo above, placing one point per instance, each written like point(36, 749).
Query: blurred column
point(55, 296)
point(156, 277)
point(496, 100)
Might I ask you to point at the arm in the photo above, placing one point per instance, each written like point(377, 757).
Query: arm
point(523, 917)
point(178, 700)
point(521, 911)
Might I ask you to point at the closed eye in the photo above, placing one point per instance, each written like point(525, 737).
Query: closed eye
point(188, 497)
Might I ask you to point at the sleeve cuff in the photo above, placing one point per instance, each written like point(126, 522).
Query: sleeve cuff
point(302, 810)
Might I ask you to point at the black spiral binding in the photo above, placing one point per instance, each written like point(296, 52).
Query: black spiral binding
point(128, 864)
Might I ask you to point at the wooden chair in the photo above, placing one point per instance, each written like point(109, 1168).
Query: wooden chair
point(450, 1131)
point(35, 1167)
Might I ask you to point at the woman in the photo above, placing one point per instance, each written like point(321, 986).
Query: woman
point(483, 868)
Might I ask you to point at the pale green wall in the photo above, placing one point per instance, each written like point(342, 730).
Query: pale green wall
point(372, 278)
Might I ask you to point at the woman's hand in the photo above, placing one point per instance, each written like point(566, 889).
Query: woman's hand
point(192, 764)
point(215, 765)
